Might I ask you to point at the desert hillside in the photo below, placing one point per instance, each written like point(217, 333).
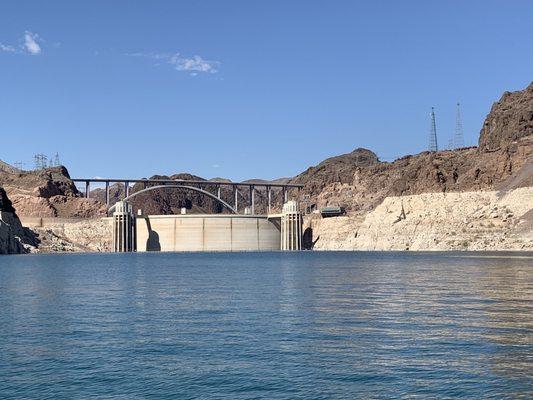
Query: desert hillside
point(503, 161)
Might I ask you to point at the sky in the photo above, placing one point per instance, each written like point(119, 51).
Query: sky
point(249, 89)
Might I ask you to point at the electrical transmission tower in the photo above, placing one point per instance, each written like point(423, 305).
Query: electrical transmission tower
point(40, 161)
point(57, 163)
point(433, 133)
point(458, 139)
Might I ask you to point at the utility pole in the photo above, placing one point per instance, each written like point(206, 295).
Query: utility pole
point(458, 138)
point(433, 146)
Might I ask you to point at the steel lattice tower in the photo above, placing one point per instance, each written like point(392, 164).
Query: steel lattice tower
point(433, 133)
point(458, 138)
point(41, 161)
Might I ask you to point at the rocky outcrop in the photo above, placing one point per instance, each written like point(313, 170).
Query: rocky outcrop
point(482, 220)
point(8, 168)
point(14, 239)
point(48, 193)
point(91, 235)
point(510, 120)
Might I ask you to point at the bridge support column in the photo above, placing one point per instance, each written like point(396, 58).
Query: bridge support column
point(124, 228)
point(127, 188)
point(269, 195)
point(236, 199)
point(87, 189)
point(252, 199)
point(107, 194)
point(291, 226)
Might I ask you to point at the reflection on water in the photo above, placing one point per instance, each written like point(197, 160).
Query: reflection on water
point(267, 325)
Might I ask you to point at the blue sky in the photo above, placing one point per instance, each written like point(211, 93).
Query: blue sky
point(248, 89)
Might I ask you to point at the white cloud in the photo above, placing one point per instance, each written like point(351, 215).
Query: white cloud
point(30, 43)
point(215, 166)
point(193, 65)
point(8, 48)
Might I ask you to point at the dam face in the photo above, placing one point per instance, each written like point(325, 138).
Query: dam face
point(207, 233)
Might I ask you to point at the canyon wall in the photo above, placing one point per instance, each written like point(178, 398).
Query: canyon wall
point(481, 220)
point(14, 238)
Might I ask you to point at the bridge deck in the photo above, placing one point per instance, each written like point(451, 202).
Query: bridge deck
point(189, 182)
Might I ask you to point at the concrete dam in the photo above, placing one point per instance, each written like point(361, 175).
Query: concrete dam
point(207, 232)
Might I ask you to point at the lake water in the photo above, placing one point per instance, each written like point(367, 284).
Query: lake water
point(304, 325)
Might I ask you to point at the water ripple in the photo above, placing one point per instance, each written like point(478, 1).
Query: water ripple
point(267, 325)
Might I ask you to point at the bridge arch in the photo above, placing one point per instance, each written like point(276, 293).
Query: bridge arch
point(195, 189)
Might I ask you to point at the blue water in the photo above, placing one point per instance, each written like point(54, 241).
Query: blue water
point(266, 325)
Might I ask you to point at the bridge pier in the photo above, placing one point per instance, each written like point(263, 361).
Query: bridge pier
point(269, 195)
point(87, 189)
point(252, 199)
point(236, 199)
point(285, 195)
point(107, 194)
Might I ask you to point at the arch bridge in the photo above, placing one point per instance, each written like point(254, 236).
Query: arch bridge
point(194, 185)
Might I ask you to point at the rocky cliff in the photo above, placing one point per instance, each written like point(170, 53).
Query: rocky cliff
point(14, 239)
point(481, 220)
point(47, 193)
point(509, 122)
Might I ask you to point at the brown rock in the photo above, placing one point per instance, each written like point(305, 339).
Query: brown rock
point(509, 120)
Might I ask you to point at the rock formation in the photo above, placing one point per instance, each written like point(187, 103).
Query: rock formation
point(48, 193)
point(14, 239)
point(510, 121)
point(481, 220)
